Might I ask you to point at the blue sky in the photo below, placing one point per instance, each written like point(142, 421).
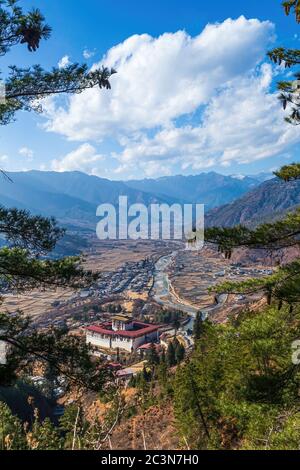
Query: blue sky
point(194, 90)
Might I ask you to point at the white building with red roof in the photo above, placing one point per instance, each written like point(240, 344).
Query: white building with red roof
point(121, 332)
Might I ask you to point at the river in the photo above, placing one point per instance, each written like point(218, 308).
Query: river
point(162, 292)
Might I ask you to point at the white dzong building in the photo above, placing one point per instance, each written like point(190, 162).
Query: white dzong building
point(122, 332)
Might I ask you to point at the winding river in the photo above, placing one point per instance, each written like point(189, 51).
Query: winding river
point(163, 293)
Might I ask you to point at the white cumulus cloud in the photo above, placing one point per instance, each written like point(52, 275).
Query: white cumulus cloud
point(27, 153)
point(64, 62)
point(84, 158)
point(87, 54)
point(161, 79)
point(180, 102)
point(242, 123)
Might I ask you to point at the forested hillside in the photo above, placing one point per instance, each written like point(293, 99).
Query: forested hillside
point(269, 201)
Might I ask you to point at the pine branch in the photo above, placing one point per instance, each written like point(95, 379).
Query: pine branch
point(289, 172)
point(281, 234)
point(25, 88)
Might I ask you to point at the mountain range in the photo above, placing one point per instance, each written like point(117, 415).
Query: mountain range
point(72, 197)
point(211, 189)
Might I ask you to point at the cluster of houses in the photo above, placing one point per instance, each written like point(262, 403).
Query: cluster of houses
point(236, 270)
point(131, 276)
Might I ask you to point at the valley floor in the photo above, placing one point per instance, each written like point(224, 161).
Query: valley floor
point(127, 273)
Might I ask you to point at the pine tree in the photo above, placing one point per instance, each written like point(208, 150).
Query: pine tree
point(240, 386)
point(43, 435)
point(190, 410)
point(11, 430)
point(146, 375)
point(289, 172)
point(153, 357)
point(198, 326)
point(289, 90)
point(179, 352)
point(171, 357)
point(176, 325)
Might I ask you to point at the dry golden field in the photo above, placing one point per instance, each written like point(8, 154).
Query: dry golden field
point(111, 255)
point(35, 303)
